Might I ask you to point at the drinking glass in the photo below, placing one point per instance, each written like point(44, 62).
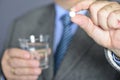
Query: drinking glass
point(38, 47)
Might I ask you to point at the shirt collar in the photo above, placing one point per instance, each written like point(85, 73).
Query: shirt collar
point(61, 11)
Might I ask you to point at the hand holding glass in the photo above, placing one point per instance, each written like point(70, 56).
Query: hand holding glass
point(38, 48)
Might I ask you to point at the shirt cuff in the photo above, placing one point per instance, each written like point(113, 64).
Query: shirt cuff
point(110, 59)
point(116, 59)
point(2, 77)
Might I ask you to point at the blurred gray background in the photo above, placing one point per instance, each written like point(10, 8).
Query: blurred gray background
point(10, 9)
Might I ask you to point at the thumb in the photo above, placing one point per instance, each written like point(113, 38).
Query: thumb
point(84, 22)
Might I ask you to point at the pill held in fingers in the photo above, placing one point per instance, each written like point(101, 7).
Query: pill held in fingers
point(72, 14)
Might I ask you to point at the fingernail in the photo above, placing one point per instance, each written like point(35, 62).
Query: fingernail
point(72, 9)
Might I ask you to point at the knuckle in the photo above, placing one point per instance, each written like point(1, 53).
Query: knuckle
point(115, 3)
point(11, 52)
point(92, 6)
point(12, 62)
point(112, 6)
point(36, 71)
point(11, 49)
point(15, 72)
point(33, 63)
point(115, 12)
point(112, 14)
point(101, 13)
point(98, 4)
point(8, 52)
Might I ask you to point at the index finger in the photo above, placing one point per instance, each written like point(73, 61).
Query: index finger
point(82, 5)
point(18, 53)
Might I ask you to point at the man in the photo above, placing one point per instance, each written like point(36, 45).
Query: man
point(84, 59)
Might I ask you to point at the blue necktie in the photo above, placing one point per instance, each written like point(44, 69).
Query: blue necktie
point(64, 42)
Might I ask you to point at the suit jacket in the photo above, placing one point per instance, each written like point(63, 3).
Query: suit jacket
point(84, 59)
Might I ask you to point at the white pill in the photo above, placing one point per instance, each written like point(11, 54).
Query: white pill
point(32, 38)
point(72, 14)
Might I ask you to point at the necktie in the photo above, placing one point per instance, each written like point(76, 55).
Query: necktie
point(64, 42)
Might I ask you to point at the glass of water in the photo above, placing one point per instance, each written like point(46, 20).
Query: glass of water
point(38, 47)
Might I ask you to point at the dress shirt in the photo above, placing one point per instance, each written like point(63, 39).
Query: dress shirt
point(59, 27)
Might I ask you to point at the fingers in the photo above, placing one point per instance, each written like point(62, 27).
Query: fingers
point(18, 53)
point(21, 63)
point(40, 53)
point(103, 14)
point(18, 65)
point(21, 58)
point(22, 77)
point(114, 19)
point(93, 30)
point(84, 22)
point(115, 40)
point(105, 19)
point(25, 71)
point(95, 8)
point(84, 4)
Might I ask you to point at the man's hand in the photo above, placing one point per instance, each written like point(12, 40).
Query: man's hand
point(17, 64)
point(104, 23)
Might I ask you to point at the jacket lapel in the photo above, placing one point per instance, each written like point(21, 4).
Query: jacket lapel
point(77, 49)
point(73, 54)
point(48, 28)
